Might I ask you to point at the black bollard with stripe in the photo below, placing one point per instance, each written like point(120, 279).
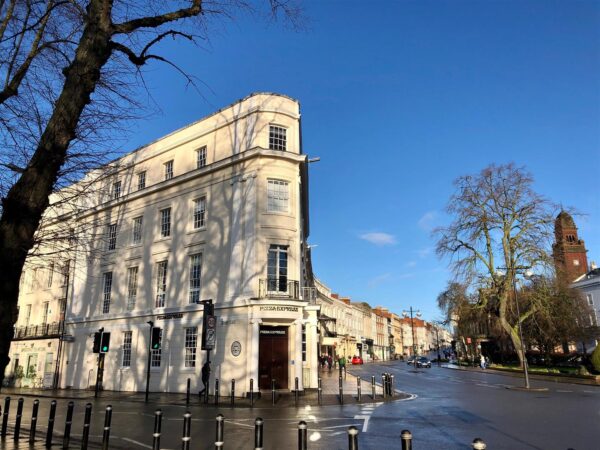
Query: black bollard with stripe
point(302, 435)
point(478, 444)
point(33, 426)
point(5, 416)
point(384, 384)
point(232, 392)
point(50, 429)
point(273, 391)
point(352, 438)
point(373, 387)
point(358, 390)
point(157, 428)
point(320, 392)
point(68, 423)
point(296, 391)
point(18, 419)
point(219, 432)
point(106, 431)
point(187, 393)
point(251, 392)
point(392, 385)
point(258, 433)
point(406, 437)
point(86, 426)
point(341, 388)
point(216, 391)
point(187, 431)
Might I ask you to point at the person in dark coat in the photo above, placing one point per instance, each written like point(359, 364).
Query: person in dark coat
point(205, 376)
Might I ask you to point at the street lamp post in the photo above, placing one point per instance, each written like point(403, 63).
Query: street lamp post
point(405, 314)
point(526, 273)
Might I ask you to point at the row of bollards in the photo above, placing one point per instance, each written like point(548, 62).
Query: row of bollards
point(387, 383)
point(406, 436)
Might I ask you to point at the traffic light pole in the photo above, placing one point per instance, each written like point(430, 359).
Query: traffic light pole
point(99, 373)
point(151, 323)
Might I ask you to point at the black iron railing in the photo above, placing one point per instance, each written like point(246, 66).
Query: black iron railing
point(44, 330)
point(279, 287)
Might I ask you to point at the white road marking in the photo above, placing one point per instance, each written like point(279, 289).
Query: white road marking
point(366, 422)
point(561, 390)
point(137, 443)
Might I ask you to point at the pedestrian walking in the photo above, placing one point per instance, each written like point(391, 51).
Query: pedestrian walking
point(329, 362)
point(482, 362)
point(205, 377)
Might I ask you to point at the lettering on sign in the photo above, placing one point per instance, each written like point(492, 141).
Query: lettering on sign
point(170, 316)
point(279, 308)
point(272, 332)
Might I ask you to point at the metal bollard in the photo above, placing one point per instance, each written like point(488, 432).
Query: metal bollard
point(216, 391)
point(51, 423)
point(32, 427)
point(302, 435)
point(18, 419)
point(392, 386)
point(373, 387)
point(68, 422)
point(106, 432)
point(383, 385)
point(358, 390)
point(478, 444)
point(251, 392)
point(296, 391)
point(219, 435)
point(5, 416)
point(406, 437)
point(187, 396)
point(86, 426)
point(341, 389)
point(207, 386)
point(352, 438)
point(187, 431)
point(157, 428)
point(320, 392)
point(232, 392)
point(258, 433)
point(273, 391)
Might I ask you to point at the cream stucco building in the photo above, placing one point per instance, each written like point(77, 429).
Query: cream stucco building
point(218, 211)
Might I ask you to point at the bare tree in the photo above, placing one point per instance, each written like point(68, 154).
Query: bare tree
point(68, 71)
point(499, 222)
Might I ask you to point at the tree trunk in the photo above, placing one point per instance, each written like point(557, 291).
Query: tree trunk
point(28, 198)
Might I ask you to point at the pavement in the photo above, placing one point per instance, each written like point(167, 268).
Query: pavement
point(329, 384)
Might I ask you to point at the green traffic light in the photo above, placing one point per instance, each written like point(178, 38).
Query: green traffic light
point(105, 348)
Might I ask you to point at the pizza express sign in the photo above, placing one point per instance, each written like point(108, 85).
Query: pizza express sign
point(279, 308)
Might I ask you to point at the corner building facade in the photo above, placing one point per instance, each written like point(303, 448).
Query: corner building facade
point(217, 210)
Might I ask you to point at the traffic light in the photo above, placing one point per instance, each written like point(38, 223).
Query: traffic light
point(156, 338)
point(105, 342)
point(97, 338)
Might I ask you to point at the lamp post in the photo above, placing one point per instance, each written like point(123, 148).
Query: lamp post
point(527, 274)
point(417, 313)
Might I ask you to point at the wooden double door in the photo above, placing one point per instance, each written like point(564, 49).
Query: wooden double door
point(273, 357)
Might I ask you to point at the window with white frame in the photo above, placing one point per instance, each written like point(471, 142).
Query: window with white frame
point(136, 231)
point(277, 138)
point(116, 191)
point(132, 276)
point(277, 268)
point(45, 311)
point(112, 236)
point(590, 299)
point(278, 196)
point(191, 339)
point(126, 359)
point(169, 170)
point(201, 157)
point(165, 222)
point(161, 284)
point(199, 216)
point(107, 278)
point(156, 356)
point(195, 275)
point(141, 184)
point(50, 275)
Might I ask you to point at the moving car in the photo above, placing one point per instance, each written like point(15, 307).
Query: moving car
point(423, 362)
point(410, 360)
point(357, 360)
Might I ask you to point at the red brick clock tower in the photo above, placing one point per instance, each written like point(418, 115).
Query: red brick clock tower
point(570, 255)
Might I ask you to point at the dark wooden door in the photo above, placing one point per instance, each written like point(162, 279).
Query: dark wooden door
point(273, 358)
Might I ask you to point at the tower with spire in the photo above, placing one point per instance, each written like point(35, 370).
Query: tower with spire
point(568, 251)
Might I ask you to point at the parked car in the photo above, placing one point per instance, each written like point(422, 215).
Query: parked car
point(410, 360)
point(423, 362)
point(357, 360)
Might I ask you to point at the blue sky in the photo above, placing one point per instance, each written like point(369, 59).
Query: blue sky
point(398, 99)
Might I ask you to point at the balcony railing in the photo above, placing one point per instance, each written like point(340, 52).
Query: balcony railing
point(309, 294)
point(47, 330)
point(279, 288)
